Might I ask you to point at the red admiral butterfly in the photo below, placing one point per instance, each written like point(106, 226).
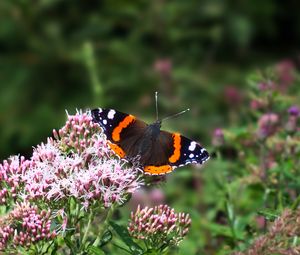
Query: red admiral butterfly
point(159, 152)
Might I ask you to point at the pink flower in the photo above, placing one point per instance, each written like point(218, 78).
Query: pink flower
point(11, 172)
point(163, 66)
point(24, 226)
point(218, 137)
point(286, 72)
point(268, 124)
point(80, 165)
point(159, 225)
point(232, 95)
point(257, 104)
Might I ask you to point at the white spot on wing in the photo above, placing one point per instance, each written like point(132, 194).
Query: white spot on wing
point(192, 146)
point(111, 114)
point(104, 122)
point(191, 155)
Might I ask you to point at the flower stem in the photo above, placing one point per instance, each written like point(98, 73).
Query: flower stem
point(91, 217)
point(105, 223)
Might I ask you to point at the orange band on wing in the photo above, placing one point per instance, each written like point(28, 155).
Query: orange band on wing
point(177, 146)
point(157, 169)
point(118, 150)
point(123, 124)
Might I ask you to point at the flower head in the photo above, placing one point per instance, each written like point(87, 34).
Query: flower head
point(79, 165)
point(294, 111)
point(24, 226)
point(286, 73)
point(11, 172)
point(268, 124)
point(163, 67)
point(232, 95)
point(159, 225)
point(218, 137)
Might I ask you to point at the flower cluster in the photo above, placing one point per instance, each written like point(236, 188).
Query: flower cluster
point(76, 164)
point(279, 238)
point(79, 165)
point(11, 172)
point(24, 226)
point(159, 226)
point(268, 124)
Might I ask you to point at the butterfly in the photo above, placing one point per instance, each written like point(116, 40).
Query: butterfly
point(159, 151)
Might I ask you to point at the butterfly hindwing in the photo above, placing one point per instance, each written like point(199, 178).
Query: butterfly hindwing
point(173, 150)
point(190, 152)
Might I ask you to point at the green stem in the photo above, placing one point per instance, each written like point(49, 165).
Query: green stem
point(296, 203)
point(90, 62)
point(91, 217)
point(105, 224)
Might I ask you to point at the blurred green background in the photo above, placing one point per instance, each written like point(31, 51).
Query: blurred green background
point(58, 55)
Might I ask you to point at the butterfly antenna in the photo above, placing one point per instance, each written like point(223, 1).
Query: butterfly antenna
point(156, 107)
point(176, 114)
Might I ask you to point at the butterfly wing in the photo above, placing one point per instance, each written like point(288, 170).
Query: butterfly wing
point(121, 129)
point(173, 150)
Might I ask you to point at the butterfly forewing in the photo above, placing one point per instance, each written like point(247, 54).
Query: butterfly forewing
point(121, 129)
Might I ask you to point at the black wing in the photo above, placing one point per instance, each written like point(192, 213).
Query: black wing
point(121, 129)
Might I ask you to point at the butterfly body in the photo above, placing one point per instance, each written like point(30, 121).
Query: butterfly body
point(159, 151)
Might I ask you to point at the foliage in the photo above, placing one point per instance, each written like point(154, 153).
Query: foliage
point(262, 180)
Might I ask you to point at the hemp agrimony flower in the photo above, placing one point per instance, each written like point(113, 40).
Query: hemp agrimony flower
point(24, 226)
point(69, 181)
point(79, 164)
point(159, 227)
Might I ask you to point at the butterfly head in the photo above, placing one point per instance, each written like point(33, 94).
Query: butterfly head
point(155, 128)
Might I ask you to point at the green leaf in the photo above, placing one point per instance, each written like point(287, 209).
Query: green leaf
point(106, 237)
point(69, 243)
point(95, 250)
point(270, 215)
point(126, 238)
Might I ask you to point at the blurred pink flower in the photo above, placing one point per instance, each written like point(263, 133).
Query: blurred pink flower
point(232, 95)
point(147, 198)
point(218, 137)
point(257, 104)
point(24, 226)
point(286, 72)
point(163, 66)
point(159, 225)
point(268, 124)
point(265, 86)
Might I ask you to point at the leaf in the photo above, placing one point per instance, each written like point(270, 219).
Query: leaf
point(95, 250)
point(126, 238)
point(270, 215)
point(106, 237)
point(69, 243)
